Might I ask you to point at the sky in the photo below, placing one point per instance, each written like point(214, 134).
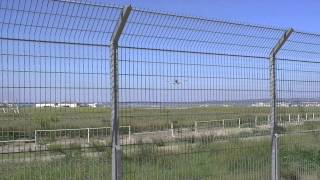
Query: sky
point(301, 15)
point(53, 51)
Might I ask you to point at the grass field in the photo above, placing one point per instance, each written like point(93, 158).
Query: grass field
point(243, 156)
point(193, 159)
point(140, 119)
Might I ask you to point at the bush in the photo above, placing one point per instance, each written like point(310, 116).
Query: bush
point(289, 175)
point(191, 139)
point(55, 148)
point(44, 120)
point(73, 152)
point(99, 147)
point(75, 146)
point(159, 142)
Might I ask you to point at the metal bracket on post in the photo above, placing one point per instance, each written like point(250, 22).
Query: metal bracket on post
point(274, 156)
point(116, 148)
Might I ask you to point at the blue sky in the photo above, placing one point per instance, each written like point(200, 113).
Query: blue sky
point(302, 15)
point(53, 70)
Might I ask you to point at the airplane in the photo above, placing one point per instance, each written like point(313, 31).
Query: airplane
point(177, 82)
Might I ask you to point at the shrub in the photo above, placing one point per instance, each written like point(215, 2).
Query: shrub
point(55, 148)
point(73, 152)
point(289, 175)
point(99, 147)
point(160, 143)
point(43, 119)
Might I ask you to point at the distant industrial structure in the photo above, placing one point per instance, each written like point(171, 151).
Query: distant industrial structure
point(260, 104)
point(7, 107)
point(57, 105)
point(67, 105)
point(42, 105)
point(287, 104)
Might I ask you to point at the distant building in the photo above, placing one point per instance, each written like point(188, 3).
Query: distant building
point(204, 105)
point(261, 104)
point(67, 104)
point(57, 105)
point(3, 107)
point(43, 105)
point(82, 105)
point(311, 104)
point(93, 105)
point(284, 104)
point(10, 105)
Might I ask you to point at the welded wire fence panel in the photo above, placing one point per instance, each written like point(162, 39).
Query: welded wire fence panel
point(298, 101)
point(180, 74)
point(299, 155)
point(194, 95)
point(298, 81)
point(54, 60)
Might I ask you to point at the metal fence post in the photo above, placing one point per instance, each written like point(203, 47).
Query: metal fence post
point(129, 133)
point(35, 137)
point(116, 149)
point(255, 121)
point(272, 58)
point(195, 127)
point(172, 130)
point(88, 134)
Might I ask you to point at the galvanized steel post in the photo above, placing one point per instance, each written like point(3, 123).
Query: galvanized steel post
point(116, 149)
point(274, 156)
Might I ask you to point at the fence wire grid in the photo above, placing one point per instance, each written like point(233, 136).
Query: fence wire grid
point(96, 91)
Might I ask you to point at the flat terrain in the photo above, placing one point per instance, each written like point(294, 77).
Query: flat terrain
point(205, 158)
point(142, 119)
point(216, 150)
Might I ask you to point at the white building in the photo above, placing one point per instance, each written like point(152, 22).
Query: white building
point(93, 105)
point(311, 104)
point(57, 105)
point(42, 105)
point(67, 104)
point(283, 104)
point(260, 104)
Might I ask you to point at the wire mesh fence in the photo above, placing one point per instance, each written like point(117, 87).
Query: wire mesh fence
point(299, 155)
point(89, 93)
point(55, 75)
